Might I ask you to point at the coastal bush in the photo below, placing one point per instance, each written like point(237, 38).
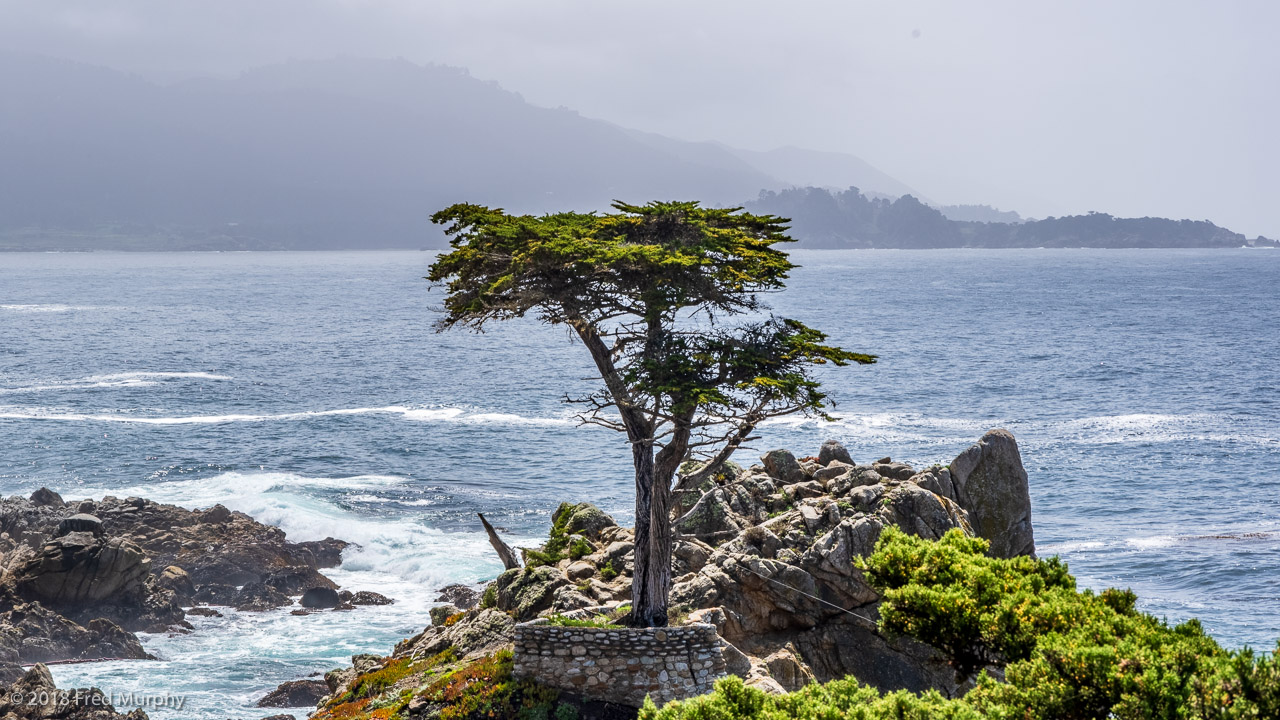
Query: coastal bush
point(597, 621)
point(1064, 653)
point(607, 572)
point(490, 596)
point(557, 547)
point(578, 548)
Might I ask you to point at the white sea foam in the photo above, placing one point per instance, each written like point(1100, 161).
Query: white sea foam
point(46, 308)
point(447, 414)
point(114, 380)
point(1154, 542)
point(1154, 428)
point(1065, 548)
point(306, 509)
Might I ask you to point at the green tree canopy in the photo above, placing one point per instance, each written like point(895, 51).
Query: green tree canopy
point(666, 299)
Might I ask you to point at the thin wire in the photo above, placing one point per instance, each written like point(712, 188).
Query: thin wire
point(812, 597)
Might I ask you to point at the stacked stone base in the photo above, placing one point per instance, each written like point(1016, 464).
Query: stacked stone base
point(620, 665)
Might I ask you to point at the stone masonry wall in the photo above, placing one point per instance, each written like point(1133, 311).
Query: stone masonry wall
point(620, 665)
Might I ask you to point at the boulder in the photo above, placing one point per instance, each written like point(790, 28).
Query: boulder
point(79, 570)
point(528, 591)
point(34, 696)
point(722, 513)
point(991, 485)
point(783, 467)
point(894, 470)
point(216, 514)
point(80, 522)
point(461, 595)
point(259, 597)
point(296, 693)
point(477, 634)
point(320, 597)
point(178, 580)
point(802, 490)
point(365, 597)
point(580, 570)
point(831, 471)
point(582, 519)
point(31, 633)
point(440, 613)
point(216, 594)
point(298, 579)
point(204, 612)
point(44, 497)
point(833, 451)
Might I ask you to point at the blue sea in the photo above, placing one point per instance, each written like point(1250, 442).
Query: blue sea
point(310, 391)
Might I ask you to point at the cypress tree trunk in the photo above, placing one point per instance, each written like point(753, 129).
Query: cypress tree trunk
point(652, 575)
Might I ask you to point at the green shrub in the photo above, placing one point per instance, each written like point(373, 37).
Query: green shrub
point(579, 548)
point(490, 597)
point(598, 621)
point(608, 572)
point(1076, 655)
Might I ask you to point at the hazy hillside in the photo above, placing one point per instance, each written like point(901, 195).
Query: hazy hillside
point(850, 219)
point(340, 153)
point(815, 168)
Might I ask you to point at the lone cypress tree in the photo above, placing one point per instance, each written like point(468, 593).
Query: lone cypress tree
point(649, 291)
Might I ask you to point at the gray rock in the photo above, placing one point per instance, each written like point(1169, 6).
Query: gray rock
point(991, 485)
point(367, 597)
point(216, 514)
point(783, 467)
point(525, 592)
point(440, 613)
point(44, 497)
point(580, 570)
point(832, 450)
point(79, 570)
point(178, 580)
point(894, 471)
point(34, 696)
point(296, 693)
point(461, 595)
point(259, 597)
point(806, 489)
point(583, 519)
point(831, 471)
point(320, 597)
point(80, 522)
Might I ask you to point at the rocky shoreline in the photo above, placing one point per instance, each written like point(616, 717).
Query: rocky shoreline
point(768, 555)
point(79, 579)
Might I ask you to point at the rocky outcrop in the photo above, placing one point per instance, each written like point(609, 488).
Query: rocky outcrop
point(769, 555)
point(990, 482)
point(32, 633)
point(461, 595)
point(35, 697)
point(295, 693)
point(78, 578)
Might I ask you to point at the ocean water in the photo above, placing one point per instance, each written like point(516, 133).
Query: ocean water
point(309, 390)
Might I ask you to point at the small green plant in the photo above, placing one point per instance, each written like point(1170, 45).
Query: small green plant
point(608, 572)
point(579, 548)
point(490, 597)
point(597, 621)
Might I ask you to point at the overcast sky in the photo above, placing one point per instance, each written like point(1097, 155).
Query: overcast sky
point(1157, 107)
